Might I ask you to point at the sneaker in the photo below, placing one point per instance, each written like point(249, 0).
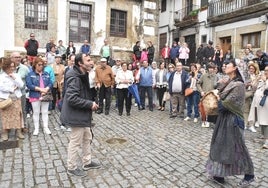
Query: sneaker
point(92, 165)
point(35, 133)
point(69, 129)
point(49, 112)
point(265, 145)
point(195, 120)
point(28, 116)
point(205, 124)
point(252, 129)
point(257, 124)
point(77, 172)
point(187, 118)
point(47, 131)
point(62, 127)
point(135, 104)
point(245, 183)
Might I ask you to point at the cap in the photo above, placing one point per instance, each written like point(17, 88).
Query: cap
point(103, 59)
point(58, 55)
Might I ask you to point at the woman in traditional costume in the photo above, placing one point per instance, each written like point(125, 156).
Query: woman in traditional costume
point(229, 155)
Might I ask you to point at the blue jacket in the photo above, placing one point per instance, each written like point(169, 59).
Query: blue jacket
point(33, 80)
point(85, 49)
point(146, 79)
point(174, 52)
point(184, 83)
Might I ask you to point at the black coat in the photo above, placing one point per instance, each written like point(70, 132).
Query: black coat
point(77, 103)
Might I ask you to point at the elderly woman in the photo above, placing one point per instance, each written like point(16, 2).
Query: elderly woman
point(251, 86)
point(229, 155)
point(262, 108)
point(39, 84)
point(10, 87)
point(123, 79)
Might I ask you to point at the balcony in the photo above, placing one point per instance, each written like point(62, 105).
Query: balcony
point(186, 17)
point(221, 12)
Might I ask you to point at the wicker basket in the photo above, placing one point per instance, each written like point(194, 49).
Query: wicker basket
point(210, 102)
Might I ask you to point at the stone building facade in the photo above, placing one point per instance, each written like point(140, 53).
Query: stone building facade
point(141, 19)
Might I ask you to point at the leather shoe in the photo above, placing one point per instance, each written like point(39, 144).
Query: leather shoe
point(141, 108)
point(99, 111)
point(106, 112)
point(172, 116)
point(128, 114)
point(120, 113)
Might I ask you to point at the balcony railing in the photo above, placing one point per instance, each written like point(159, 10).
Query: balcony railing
point(219, 7)
point(186, 13)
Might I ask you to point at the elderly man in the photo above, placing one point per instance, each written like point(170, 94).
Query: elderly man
point(146, 85)
point(105, 82)
point(85, 48)
point(177, 85)
point(23, 71)
point(207, 82)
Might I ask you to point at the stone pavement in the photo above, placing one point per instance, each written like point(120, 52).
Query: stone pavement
point(146, 149)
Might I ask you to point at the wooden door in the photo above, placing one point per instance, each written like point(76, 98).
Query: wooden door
point(226, 44)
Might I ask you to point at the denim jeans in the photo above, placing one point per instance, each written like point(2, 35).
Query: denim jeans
point(149, 91)
point(193, 101)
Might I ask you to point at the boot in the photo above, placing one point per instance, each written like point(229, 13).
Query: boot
point(19, 134)
point(4, 135)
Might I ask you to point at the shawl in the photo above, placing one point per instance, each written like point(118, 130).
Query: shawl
point(233, 97)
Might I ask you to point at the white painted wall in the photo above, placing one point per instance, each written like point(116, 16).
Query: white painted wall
point(7, 28)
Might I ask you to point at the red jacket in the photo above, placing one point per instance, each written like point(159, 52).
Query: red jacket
point(163, 52)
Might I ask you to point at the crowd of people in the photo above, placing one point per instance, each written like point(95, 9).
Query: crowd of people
point(37, 83)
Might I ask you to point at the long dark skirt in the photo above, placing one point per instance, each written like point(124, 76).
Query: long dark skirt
point(228, 153)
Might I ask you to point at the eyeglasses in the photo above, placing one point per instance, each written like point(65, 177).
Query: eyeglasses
point(31, 36)
point(17, 57)
point(39, 65)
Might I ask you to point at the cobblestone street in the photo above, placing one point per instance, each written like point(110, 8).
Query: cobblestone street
point(152, 150)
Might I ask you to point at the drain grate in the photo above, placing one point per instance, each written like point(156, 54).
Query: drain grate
point(116, 140)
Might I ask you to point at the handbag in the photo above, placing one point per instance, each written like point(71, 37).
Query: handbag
point(188, 91)
point(5, 103)
point(166, 96)
point(47, 97)
point(263, 99)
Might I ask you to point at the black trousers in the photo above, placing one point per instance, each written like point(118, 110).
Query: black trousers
point(124, 96)
point(56, 96)
point(160, 94)
point(105, 93)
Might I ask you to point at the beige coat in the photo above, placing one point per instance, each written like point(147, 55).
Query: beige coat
point(262, 111)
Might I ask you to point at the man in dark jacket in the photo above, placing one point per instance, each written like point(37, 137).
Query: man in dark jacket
point(208, 53)
point(262, 59)
point(77, 113)
point(177, 85)
point(31, 47)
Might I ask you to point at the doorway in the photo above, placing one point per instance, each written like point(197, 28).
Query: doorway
point(226, 44)
point(190, 40)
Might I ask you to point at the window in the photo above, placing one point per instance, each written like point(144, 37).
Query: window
point(204, 3)
point(163, 5)
point(251, 38)
point(36, 14)
point(80, 22)
point(118, 23)
point(204, 39)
